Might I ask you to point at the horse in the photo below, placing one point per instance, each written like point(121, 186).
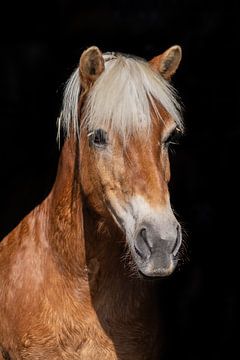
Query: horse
point(74, 272)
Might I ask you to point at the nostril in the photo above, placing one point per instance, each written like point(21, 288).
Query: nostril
point(138, 251)
point(143, 234)
point(178, 241)
point(142, 246)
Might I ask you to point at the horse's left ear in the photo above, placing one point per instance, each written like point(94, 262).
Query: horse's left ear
point(91, 65)
point(167, 63)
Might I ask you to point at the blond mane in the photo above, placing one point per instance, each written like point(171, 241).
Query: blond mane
point(120, 100)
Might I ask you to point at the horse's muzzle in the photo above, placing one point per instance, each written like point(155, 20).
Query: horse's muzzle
point(154, 254)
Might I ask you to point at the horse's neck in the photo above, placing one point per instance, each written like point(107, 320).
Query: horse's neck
point(65, 213)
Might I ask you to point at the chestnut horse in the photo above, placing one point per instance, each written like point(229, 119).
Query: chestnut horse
point(73, 272)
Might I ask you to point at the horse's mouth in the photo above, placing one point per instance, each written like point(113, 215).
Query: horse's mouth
point(154, 277)
point(156, 266)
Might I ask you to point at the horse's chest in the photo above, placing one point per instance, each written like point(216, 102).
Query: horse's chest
point(56, 349)
point(87, 351)
point(85, 346)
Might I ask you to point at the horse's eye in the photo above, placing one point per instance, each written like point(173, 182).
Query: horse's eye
point(172, 138)
point(98, 138)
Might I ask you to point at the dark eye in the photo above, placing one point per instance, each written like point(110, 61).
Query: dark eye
point(98, 138)
point(173, 138)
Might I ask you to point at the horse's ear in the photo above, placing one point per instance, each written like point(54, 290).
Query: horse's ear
point(91, 66)
point(167, 63)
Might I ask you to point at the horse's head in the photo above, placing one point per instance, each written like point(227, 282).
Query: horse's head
point(128, 117)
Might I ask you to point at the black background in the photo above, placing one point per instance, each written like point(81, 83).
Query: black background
point(40, 45)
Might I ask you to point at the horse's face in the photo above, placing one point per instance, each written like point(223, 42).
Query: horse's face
point(129, 181)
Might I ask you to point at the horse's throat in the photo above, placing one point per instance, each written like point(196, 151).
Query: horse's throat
point(117, 293)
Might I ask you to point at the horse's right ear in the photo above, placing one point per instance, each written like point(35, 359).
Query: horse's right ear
point(90, 67)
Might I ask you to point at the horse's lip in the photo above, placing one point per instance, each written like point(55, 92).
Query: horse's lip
point(157, 271)
point(154, 277)
point(146, 277)
point(151, 277)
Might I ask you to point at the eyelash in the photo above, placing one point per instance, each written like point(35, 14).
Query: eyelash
point(172, 138)
point(98, 138)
